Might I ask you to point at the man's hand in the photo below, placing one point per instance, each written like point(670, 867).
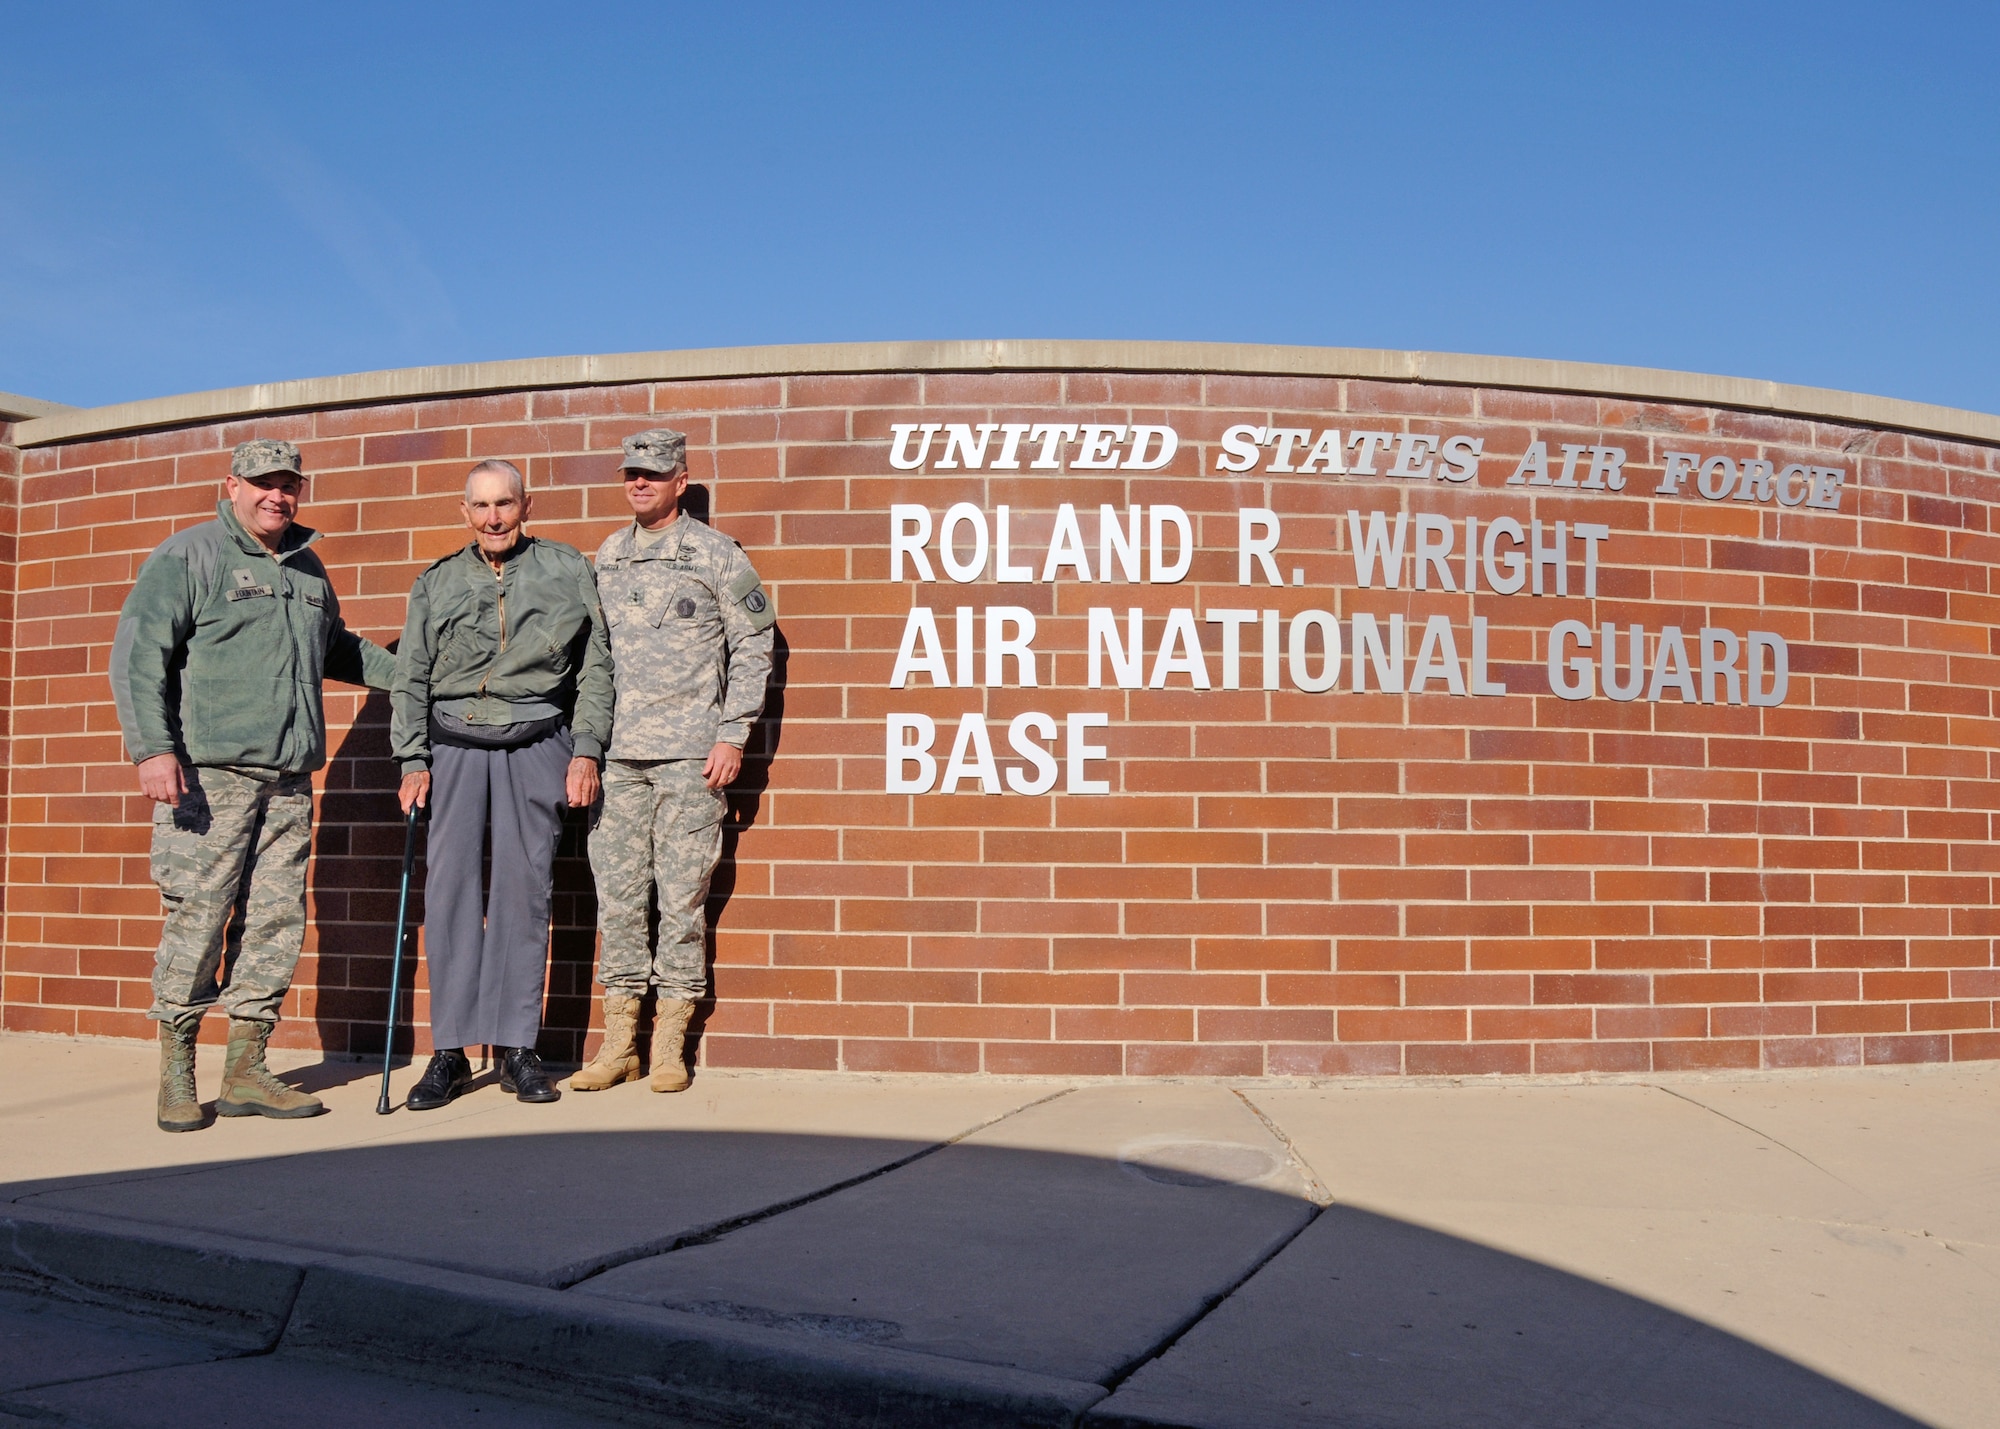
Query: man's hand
point(415, 791)
point(725, 762)
point(581, 785)
point(161, 779)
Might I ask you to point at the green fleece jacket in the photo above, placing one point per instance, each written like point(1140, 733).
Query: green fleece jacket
point(524, 644)
point(222, 647)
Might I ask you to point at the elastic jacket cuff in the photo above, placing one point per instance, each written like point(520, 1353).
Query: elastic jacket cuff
point(588, 747)
point(417, 766)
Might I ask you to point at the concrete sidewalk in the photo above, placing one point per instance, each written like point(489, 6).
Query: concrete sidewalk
point(830, 1250)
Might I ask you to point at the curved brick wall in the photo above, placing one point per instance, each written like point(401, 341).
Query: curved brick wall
point(1286, 880)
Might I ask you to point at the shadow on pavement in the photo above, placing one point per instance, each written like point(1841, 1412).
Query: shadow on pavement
point(1191, 1277)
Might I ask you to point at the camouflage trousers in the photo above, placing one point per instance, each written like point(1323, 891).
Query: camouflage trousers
point(230, 860)
point(659, 829)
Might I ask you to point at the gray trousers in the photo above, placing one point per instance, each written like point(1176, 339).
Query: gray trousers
point(489, 955)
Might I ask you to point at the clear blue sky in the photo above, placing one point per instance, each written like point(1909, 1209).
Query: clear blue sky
point(200, 196)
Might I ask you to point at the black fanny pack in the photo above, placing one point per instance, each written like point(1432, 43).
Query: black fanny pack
point(451, 730)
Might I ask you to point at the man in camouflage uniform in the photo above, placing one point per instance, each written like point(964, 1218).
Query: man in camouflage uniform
point(691, 648)
point(216, 668)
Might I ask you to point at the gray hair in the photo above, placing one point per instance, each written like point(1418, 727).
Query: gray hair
point(517, 485)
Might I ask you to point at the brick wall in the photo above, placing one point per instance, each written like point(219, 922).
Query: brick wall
point(1278, 882)
point(10, 506)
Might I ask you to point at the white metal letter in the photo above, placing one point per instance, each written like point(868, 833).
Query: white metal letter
point(1258, 547)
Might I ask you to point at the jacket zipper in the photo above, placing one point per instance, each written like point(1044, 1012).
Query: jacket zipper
point(501, 578)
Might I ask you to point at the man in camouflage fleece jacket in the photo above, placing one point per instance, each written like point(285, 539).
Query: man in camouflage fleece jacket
point(691, 637)
point(216, 668)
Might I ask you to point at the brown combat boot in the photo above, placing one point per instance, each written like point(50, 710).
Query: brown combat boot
point(180, 1108)
point(248, 1088)
point(616, 1061)
point(670, 1022)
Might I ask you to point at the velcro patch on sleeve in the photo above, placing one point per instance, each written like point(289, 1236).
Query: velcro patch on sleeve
point(748, 591)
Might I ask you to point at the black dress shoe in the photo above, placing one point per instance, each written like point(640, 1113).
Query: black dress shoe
point(521, 1073)
point(447, 1075)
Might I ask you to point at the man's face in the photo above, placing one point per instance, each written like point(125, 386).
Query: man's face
point(655, 498)
point(266, 505)
point(494, 512)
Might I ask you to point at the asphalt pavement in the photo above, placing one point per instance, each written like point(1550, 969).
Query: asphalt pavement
point(842, 1249)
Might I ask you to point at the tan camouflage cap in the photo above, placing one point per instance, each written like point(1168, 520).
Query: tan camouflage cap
point(657, 450)
point(263, 457)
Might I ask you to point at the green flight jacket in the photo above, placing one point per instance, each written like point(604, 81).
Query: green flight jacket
point(222, 647)
point(524, 645)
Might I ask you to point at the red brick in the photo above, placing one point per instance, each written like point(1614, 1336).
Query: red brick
point(1057, 1059)
point(910, 1056)
point(1470, 1060)
point(1558, 1058)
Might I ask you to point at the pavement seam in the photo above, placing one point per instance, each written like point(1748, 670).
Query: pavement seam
point(223, 1355)
point(1714, 1111)
point(568, 1277)
point(1201, 1312)
point(1321, 1196)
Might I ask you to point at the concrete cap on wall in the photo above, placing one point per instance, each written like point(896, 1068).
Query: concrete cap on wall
point(1000, 355)
point(16, 408)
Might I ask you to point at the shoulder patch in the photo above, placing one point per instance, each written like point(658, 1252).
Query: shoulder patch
point(748, 591)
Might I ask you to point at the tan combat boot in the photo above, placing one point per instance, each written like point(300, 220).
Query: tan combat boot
point(616, 1061)
point(670, 1022)
point(180, 1108)
point(248, 1088)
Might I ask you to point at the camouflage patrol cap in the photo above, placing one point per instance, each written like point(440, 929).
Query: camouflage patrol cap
point(263, 457)
point(657, 450)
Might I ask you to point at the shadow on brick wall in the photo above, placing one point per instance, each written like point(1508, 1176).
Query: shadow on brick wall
point(746, 801)
point(351, 897)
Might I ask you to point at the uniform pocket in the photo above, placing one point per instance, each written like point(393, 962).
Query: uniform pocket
point(697, 806)
point(238, 721)
point(703, 810)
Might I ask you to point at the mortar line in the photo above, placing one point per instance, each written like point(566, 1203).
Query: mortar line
point(1763, 1135)
point(570, 1276)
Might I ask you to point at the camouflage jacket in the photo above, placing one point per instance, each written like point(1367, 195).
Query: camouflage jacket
point(496, 650)
point(690, 639)
point(222, 646)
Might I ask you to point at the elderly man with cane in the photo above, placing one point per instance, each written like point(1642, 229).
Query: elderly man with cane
point(500, 712)
point(217, 666)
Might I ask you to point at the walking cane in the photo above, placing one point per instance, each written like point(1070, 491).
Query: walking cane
point(382, 1107)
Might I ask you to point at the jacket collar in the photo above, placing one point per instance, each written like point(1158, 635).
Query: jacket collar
point(295, 539)
point(667, 548)
point(472, 554)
